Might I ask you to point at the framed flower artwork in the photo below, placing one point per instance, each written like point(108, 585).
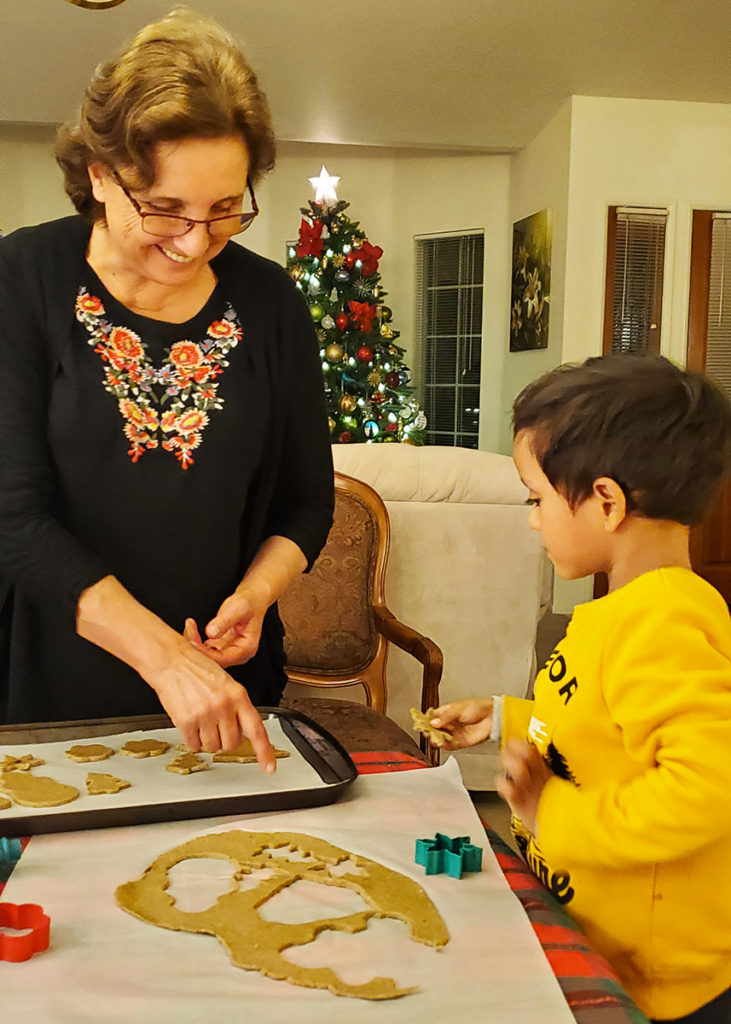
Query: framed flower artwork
point(531, 282)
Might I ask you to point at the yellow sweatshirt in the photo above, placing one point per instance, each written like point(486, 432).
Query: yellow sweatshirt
point(633, 713)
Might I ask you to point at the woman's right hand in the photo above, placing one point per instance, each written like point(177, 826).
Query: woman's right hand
point(467, 721)
point(210, 709)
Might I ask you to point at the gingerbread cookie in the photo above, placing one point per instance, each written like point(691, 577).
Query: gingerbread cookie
point(243, 754)
point(89, 752)
point(186, 764)
point(97, 783)
point(36, 790)
point(257, 944)
point(19, 764)
point(144, 748)
point(422, 723)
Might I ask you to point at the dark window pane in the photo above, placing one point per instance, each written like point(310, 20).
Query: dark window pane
point(440, 408)
point(441, 360)
point(468, 409)
point(443, 311)
point(435, 438)
point(469, 361)
point(467, 440)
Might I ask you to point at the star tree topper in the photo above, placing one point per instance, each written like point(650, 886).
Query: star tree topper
point(324, 187)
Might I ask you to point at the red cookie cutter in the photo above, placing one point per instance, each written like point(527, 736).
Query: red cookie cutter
point(16, 948)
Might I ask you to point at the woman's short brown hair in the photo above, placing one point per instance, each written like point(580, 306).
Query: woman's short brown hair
point(662, 433)
point(181, 77)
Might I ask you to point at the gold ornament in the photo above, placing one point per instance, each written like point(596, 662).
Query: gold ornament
point(321, 335)
point(338, 259)
point(296, 272)
point(408, 440)
point(331, 423)
point(392, 350)
point(386, 331)
point(375, 377)
point(334, 353)
point(347, 403)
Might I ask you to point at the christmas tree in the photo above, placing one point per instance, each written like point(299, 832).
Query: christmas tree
point(366, 382)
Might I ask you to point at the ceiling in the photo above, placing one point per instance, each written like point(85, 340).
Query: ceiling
point(480, 75)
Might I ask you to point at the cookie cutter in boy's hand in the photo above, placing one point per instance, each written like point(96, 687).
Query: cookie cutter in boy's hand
point(451, 856)
point(21, 916)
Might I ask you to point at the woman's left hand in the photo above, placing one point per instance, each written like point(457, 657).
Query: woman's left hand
point(521, 785)
point(235, 632)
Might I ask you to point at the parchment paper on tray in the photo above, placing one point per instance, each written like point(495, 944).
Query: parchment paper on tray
point(308, 776)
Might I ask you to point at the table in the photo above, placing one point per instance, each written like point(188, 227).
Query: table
point(590, 987)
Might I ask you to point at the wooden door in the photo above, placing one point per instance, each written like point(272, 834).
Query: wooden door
point(710, 543)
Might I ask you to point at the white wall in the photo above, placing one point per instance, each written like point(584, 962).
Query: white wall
point(639, 152)
point(31, 185)
point(539, 180)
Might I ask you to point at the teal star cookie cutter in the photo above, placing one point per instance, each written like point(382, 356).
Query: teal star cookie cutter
point(443, 855)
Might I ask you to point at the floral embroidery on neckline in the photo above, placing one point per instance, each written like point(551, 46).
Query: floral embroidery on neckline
point(167, 405)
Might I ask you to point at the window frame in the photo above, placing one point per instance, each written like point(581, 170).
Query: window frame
point(457, 434)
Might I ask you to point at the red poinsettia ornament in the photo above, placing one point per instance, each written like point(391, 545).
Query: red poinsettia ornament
point(310, 240)
point(362, 314)
point(369, 255)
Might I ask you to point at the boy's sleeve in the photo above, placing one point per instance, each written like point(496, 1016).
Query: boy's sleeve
point(668, 689)
point(516, 716)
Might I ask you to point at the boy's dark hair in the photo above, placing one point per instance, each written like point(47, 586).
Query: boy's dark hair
point(662, 433)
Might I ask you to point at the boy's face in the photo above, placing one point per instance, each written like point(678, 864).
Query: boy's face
point(575, 540)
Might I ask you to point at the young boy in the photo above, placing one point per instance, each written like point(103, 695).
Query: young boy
point(621, 799)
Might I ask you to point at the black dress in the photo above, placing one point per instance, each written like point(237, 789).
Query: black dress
point(158, 439)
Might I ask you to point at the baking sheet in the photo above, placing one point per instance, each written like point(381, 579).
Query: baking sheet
point(106, 967)
point(158, 795)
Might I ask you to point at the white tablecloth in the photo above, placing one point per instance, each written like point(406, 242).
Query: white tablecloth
point(106, 967)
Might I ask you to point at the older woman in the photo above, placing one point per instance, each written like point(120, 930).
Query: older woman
point(165, 467)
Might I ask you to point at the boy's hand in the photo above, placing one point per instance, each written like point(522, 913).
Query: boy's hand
point(526, 773)
point(466, 721)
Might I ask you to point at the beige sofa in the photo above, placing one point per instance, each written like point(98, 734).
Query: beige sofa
point(465, 569)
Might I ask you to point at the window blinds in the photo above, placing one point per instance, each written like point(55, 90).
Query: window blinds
point(449, 279)
point(638, 262)
point(718, 339)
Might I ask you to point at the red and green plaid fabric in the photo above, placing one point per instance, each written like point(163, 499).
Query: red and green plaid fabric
point(588, 983)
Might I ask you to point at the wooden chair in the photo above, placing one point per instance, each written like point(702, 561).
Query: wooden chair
point(337, 625)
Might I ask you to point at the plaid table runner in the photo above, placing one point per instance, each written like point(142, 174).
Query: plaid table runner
point(589, 985)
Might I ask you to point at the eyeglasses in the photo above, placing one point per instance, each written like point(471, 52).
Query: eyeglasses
point(170, 225)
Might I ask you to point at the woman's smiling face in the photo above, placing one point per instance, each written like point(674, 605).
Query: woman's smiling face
point(197, 178)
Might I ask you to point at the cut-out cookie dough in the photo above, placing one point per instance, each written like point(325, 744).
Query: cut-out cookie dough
point(20, 764)
point(5, 803)
point(243, 754)
point(89, 752)
point(99, 783)
point(144, 748)
point(256, 944)
point(186, 764)
point(36, 790)
point(422, 723)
